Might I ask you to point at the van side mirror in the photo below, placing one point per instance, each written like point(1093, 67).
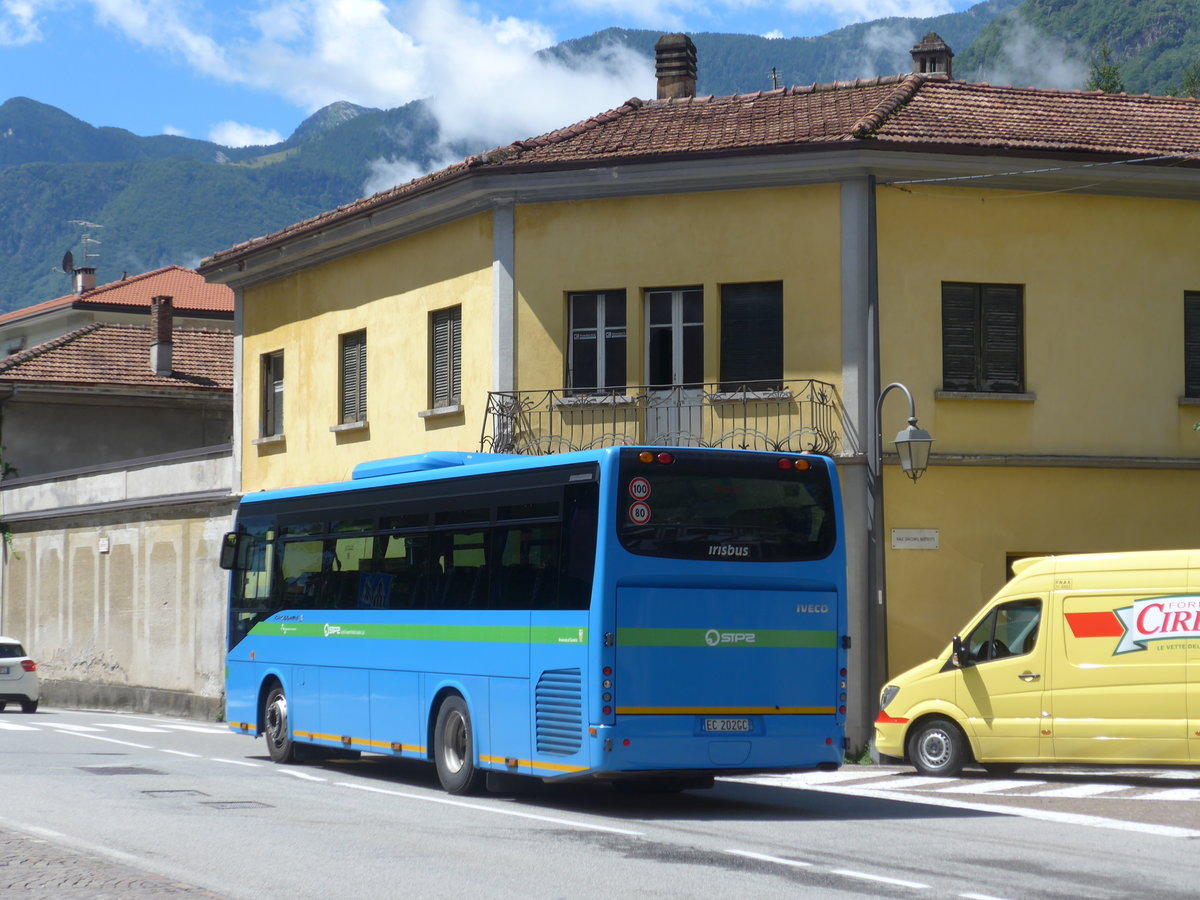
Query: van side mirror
point(229, 549)
point(958, 657)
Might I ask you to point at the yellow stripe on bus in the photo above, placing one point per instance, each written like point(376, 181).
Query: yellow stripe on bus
point(533, 764)
point(724, 710)
point(360, 742)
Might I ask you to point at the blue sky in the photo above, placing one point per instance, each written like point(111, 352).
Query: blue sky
point(249, 71)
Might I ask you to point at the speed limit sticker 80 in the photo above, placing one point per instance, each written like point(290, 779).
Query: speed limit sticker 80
point(639, 512)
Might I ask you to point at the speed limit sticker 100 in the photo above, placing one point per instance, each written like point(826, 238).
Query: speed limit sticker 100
point(639, 488)
point(639, 512)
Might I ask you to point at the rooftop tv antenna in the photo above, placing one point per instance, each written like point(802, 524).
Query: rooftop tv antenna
point(774, 78)
point(87, 240)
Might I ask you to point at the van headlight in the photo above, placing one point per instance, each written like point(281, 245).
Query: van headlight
point(887, 695)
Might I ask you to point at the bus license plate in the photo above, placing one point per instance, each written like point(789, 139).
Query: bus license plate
point(726, 724)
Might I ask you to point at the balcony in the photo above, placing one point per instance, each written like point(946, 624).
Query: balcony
point(792, 416)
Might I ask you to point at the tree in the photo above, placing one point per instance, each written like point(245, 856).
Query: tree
point(1106, 74)
point(1191, 82)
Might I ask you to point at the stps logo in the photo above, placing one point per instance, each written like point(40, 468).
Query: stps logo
point(715, 638)
point(1151, 619)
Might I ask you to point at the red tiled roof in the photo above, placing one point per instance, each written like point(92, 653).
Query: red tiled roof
point(107, 354)
point(190, 291)
point(902, 112)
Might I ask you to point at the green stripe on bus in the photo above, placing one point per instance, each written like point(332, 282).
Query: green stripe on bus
point(490, 634)
point(718, 638)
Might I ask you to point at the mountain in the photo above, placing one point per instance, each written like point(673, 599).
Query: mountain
point(165, 199)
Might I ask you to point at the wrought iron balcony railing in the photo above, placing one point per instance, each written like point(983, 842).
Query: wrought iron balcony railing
point(792, 416)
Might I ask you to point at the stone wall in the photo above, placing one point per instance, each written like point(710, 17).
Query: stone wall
point(113, 585)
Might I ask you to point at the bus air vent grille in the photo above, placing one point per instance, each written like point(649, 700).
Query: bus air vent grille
point(559, 699)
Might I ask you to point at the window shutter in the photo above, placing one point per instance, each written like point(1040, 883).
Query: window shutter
point(272, 393)
point(752, 335)
point(960, 330)
point(1191, 344)
point(1002, 318)
point(354, 377)
point(447, 356)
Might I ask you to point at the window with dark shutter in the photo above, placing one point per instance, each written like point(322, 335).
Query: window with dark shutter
point(983, 337)
point(446, 368)
point(596, 356)
point(1191, 344)
point(354, 377)
point(752, 336)
point(272, 394)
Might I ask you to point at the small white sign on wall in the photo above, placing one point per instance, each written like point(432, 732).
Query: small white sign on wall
point(915, 538)
point(102, 545)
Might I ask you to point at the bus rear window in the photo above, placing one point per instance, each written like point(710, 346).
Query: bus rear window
point(742, 507)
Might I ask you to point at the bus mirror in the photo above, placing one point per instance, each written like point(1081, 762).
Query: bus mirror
point(958, 657)
point(229, 548)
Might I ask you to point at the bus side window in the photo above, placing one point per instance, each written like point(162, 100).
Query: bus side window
point(581, 503)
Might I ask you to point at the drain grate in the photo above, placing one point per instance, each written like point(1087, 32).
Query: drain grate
point(236, 804)
point(120, 770)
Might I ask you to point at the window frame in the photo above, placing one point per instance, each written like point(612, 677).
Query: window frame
point(271, 383)
point(352, 380)
point(748, 326)
point(445, 365)
point(983, 337)
point(614, 345)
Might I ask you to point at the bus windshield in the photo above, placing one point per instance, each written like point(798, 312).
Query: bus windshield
point(755, 508)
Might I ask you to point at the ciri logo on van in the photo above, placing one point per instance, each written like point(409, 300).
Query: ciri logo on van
point(715, 638)
point(1157, 619)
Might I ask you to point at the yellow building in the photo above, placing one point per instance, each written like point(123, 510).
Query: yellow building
point(751, 270)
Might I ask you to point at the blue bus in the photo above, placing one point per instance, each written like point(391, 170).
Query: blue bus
point(626, 613)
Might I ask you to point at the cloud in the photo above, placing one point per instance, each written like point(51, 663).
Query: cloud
point(693, 14)
point(175, 132)
point(1031, 58)
point(18, 22)
point(235, 134)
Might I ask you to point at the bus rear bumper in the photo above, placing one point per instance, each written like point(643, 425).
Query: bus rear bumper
point(659, 744)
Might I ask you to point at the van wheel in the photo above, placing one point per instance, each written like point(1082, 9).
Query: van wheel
point(454, 748)
point(937, 747)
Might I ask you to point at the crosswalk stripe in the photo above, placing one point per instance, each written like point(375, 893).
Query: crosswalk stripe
point(141, 729)
point(986, 787)
point(1081, 790)
point(12, 726)
point(67, 726)
point(1171, 794)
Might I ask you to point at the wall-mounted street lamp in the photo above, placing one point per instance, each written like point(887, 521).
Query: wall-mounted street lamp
point(912, 447)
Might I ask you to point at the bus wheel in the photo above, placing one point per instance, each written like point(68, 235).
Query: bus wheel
point(277, 733)
point(454, 748)
point(937, 747)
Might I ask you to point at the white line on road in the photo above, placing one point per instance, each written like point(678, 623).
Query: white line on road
point(142, 729)
point(1082, 790)
point(762, 857)
point(1172, 794)
point(67, 726)
point(108, 740)
point(445, 801)
point(987, 787)
point(12, 726)
point(182, 753)
point(980, 897)
point(898, 882)
point(1045, 815)
point(302, 775)
point(237, 762)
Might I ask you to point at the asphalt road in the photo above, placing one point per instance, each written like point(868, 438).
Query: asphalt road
point(102, 805)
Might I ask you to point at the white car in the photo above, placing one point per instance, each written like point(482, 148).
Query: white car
point(18, 676)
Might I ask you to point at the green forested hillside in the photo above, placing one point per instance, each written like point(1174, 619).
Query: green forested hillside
point(171, 200)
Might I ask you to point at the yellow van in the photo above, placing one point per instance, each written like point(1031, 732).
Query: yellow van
point(1084, 659)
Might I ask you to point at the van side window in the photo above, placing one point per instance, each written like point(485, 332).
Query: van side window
point(1011, 629)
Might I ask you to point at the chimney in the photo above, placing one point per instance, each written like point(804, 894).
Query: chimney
point(85, 279)
point(675, 66)
point(932, 56)
point(160, 335)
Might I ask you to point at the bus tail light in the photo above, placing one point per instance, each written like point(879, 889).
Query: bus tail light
point(800, 465)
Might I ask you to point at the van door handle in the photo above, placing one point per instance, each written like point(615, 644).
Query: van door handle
point(1029, 676)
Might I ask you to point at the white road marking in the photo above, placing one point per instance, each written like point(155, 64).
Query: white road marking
point(141, 729)
point(181, 753)
point(1081, 790)
point(1171, 794)
point(67, 726)
point(864, 876)
point(980, 897)
point(446, 801)
point(108, 740)
point(301, 775)
point(987, 787)
point(762, 857)
point(237, 762)
point(13, 726)
point(905, 782)
point(1046, 815)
